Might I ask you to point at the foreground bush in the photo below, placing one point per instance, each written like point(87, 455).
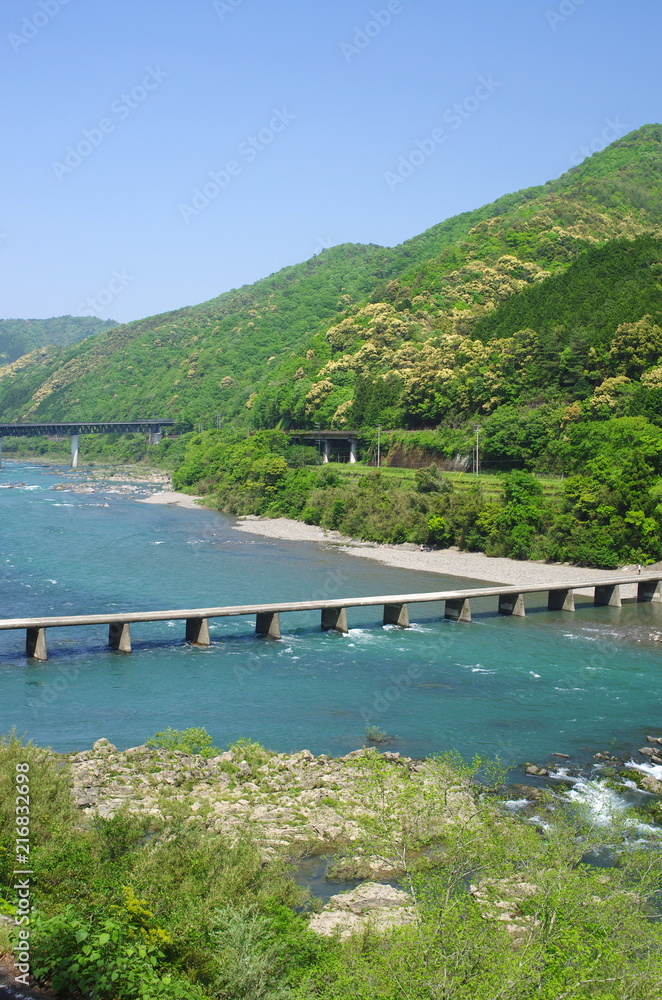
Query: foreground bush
point(131, 908)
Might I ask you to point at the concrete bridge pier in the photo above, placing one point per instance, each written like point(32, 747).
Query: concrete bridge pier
point(267, 623)
point(458, 609)
point(396, 614)
point(561, 600)
point(0, 453)
point(512, 604)
point(334, 620)
point(197, 631)
point(35, 644)
point(353, 459)
point(326, 452)
point(607, 597)
point(74, 451)
point(119, 637)
point(649, 590)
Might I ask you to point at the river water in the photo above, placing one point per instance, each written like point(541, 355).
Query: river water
point(513, 687)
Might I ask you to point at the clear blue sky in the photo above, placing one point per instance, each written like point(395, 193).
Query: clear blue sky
point(303, 109)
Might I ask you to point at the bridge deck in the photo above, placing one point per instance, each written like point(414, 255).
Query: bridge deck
point(337, 604)
point(84, 427)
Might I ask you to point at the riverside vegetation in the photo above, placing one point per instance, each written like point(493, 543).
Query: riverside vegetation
point(608, 514)
point(147, 886)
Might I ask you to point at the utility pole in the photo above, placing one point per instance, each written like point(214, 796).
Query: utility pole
point(477, 430)
point(379, 442)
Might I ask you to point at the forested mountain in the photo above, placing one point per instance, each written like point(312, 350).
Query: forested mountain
point(21, 336)
point(411, 335)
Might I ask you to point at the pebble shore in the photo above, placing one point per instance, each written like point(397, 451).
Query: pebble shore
point(449, 562)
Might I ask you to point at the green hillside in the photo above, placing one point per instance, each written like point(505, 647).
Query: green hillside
point(553, 341)
point(21, 336)
point(615, 283)
point(261, 354)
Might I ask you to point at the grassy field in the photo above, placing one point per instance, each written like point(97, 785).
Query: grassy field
point(491, 483)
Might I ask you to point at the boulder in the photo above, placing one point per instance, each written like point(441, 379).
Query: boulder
point(372, 906)
point(528, 792)
point(650, 784)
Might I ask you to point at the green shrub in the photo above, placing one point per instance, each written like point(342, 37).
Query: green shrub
point(193, 741)
point(253, 753)
point(118, 954)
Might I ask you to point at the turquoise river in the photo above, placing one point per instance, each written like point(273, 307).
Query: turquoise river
point(517, 688)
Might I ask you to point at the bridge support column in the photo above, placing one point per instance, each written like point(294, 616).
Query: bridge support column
point(396, 614)
point(561, 600)
point(352, 451)
point(607, 596)
point(119, 637)
point(268, 623)
point(458, 609)
point(512, 604)
point(35, 644)
point(326, 452)
point(649, 590)
point(74, 451)
point(334, 619)
point(197, 631)
point(154, 437)
point(0, 453)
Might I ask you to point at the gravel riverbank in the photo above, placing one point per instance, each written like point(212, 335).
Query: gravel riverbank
point(173, 499)
point(449, 562)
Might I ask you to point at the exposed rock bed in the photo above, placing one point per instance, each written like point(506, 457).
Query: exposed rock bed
point(370, 906)
point(289, 802)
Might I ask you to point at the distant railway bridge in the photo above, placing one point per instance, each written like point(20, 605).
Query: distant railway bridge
point(153, 427)
point(342, 444)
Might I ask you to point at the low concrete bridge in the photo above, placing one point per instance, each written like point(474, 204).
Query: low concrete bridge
point(560, 597)
point(152, 427)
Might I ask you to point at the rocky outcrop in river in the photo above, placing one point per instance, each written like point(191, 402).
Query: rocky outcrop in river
point(289, 802)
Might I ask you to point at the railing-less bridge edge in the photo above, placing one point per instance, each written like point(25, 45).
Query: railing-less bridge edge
point(560, 597)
